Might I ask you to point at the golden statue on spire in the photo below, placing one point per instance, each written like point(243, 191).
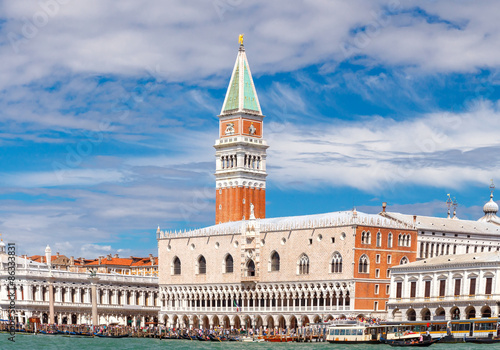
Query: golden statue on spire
point(240, 39)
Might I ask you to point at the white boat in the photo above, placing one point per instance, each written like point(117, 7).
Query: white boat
point(356, 332)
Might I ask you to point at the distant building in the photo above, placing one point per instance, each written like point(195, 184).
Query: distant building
point(124, 266)
point(127, 299)
point(451, 236)
point(446, 287)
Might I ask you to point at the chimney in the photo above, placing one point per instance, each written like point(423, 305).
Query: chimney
point(109, 257)
point(72, 260)
point(115, 256)
point(100, 259)
point(57, 254)
point(384, 205)
point(414, 219)
point(151, 257)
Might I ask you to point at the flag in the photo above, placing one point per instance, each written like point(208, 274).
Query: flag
point(236, 305)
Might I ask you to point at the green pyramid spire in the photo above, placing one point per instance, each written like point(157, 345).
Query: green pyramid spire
point(241, 95)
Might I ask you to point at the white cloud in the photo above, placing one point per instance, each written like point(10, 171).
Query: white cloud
point(440, 149)
point(63, 175)
point(100, 37)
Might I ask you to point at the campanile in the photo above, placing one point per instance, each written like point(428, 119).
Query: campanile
point(240, 173)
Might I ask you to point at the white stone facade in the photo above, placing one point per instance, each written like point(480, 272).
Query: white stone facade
point(451, 236)
point(121, 299)
point(314, 281)
point(446, 287)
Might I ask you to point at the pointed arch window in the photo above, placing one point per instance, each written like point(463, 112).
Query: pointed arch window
point(176, 266)
point(368, 237)
point(389, 240)
point(228, 264)
point(250, 268)
point(400, 240)
point(404, 260)
point(337, 263)
point(379, 239)
point(364, 264)
point(275, 261)
point(303, 268)
point(202, 265)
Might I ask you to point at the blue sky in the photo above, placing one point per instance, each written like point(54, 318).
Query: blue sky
point(108, 112)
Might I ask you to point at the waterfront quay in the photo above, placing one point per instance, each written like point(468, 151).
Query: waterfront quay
point(303, 334)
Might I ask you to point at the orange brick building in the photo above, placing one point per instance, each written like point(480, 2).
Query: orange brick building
point(383, 248)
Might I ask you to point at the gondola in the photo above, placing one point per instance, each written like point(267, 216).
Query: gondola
point(482, 340)
point(111, 336)
point(215, 338)
point(411, 342)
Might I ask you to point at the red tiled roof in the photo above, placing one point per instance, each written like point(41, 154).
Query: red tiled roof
point(38, 258)
point(112, 261)
point(146, 262)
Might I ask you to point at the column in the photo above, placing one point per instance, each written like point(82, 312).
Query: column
point(51, 302)
point(93, 287)
point(30, 295)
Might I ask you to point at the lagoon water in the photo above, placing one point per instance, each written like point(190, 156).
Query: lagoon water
point(48, 342)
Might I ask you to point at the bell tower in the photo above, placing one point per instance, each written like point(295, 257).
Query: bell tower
point(240, 173)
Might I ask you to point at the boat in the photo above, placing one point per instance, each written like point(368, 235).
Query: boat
point(279, 338)
point(414, 342)
point(213, 337)
point(409, 338)
point(355, 332)
point(450, 331)
point(111, 336)
point(251, 339)
point(482, 340)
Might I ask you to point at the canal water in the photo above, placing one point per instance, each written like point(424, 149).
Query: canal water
point(49, 342)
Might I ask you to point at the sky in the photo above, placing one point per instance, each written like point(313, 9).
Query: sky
point(108, 112)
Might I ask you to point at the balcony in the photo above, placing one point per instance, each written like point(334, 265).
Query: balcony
point(250, 279)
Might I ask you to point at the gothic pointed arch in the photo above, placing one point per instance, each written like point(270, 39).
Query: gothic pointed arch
point(201, 265)
point(176, 266)
point(336, 263)
point(364, 264)
point(303, 265)
point(274, 261)
point(250, 268)
point(228, 264)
